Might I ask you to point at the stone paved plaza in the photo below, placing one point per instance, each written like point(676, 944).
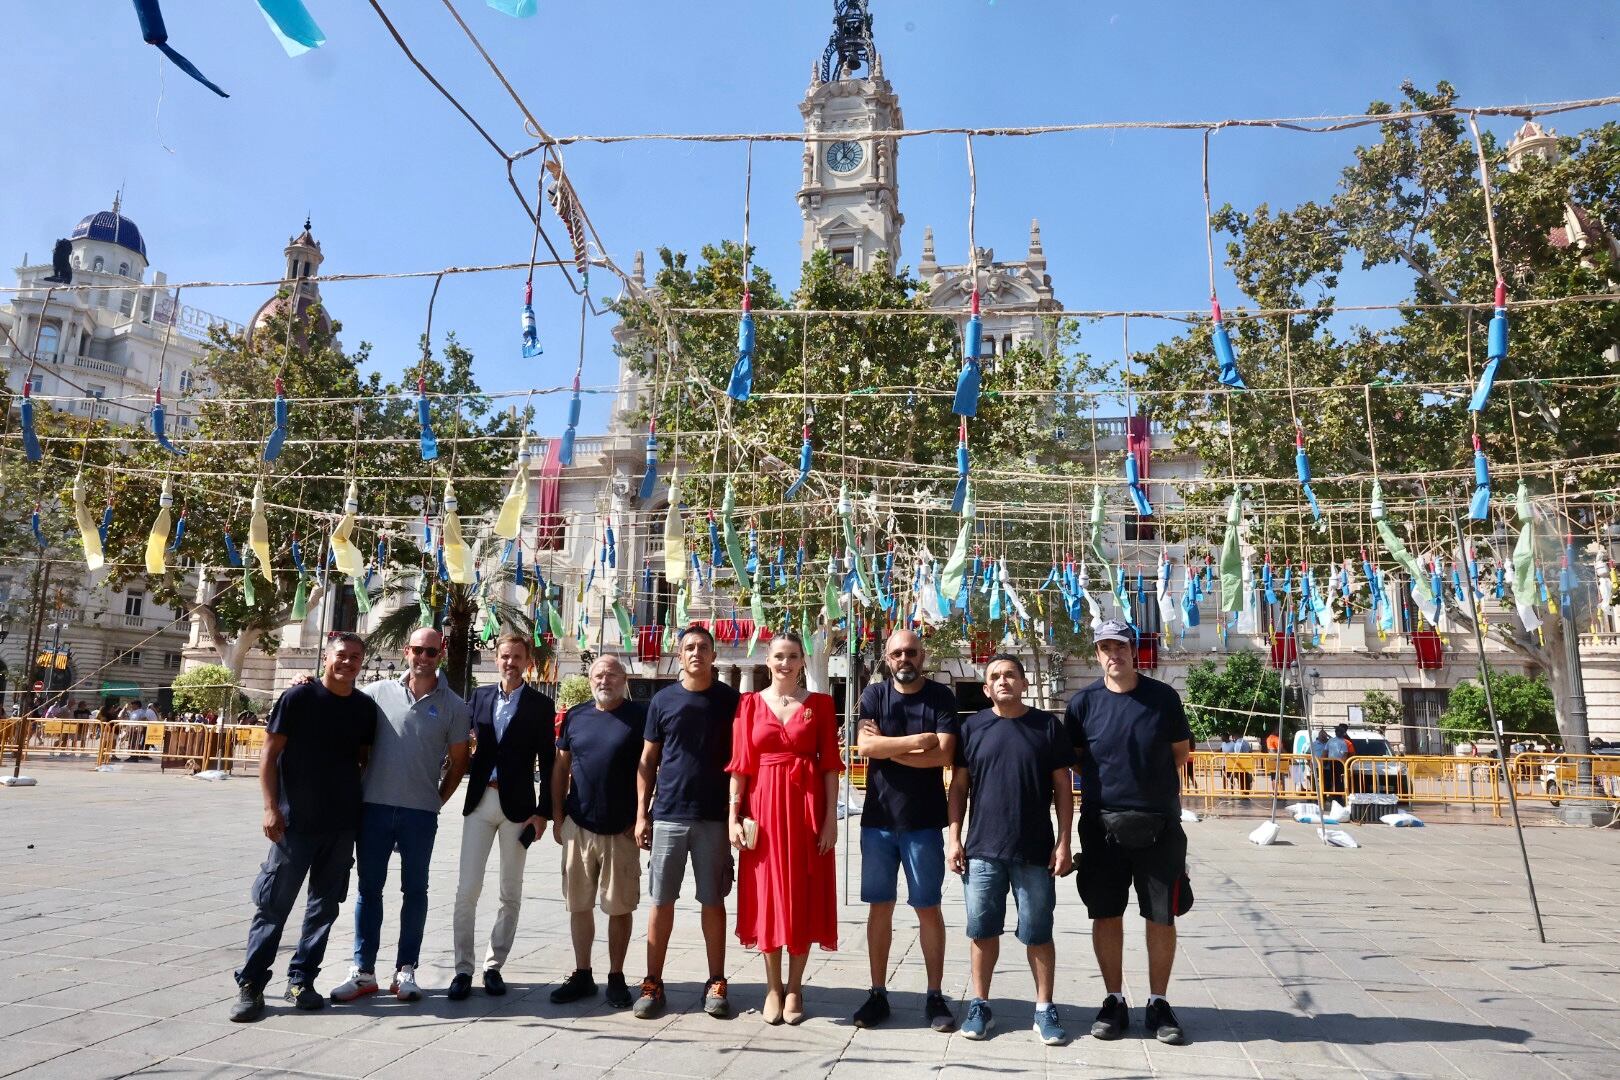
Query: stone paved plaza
point(123, 910)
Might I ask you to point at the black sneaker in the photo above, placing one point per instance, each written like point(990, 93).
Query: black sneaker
point(1112, 1019)
point(874, 1010)
point(248, 1006)
point(494, 985)
point(460, 987)
point(618, 991)
point(938, 1013)
point(1161, 1020)
point(304, 997)
point(576, 986)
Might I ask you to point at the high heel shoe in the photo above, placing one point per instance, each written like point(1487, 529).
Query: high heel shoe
point(771, 1010)
point(789, 1013)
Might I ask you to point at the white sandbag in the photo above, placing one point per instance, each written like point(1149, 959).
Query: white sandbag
point(211, 774)
point(1308, 815)
point(109, 768)
point(1295, 809)
point(1188, 817)
point(1338, 838)
point(1337, 813)
point(18, 781)
point(1401, 820)
point(1266, 834)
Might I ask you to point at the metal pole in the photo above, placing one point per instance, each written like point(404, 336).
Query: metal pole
point(1496, 727)
point(42, 581)
point(1276, 765)
point(849, 747)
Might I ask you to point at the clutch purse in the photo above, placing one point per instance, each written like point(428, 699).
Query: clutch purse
point(750, 833)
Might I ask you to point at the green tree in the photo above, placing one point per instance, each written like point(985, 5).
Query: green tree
point(210, 688)
point(1243, 695)
point(1379, 710)
point(875, 391)
point(342, 427)
point(573, 690)
point(1524, 704)
point(1410, 204)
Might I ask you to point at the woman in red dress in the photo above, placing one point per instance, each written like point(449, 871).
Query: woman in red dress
point(784, 775)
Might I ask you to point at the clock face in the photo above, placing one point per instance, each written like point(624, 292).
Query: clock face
point(844, 157)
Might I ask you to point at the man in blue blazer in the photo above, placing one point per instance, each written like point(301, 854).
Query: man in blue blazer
point(514, 728)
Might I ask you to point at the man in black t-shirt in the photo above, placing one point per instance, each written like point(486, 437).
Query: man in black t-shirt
point(908, 733)
point(681, 792)
point(316, 745)
point(1013, 764)
point(593, 802)
point(1131, 735)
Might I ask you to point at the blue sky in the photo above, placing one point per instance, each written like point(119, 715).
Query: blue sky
point(396, 181)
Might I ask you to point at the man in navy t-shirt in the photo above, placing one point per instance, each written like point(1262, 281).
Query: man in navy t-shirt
point(681, 791)
point(316, 743)
point(1012, 763)
point(593, 801)
point(1131, 735)
point(908, 735)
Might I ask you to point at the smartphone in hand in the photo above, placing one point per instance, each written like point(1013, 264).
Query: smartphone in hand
point(526, 837)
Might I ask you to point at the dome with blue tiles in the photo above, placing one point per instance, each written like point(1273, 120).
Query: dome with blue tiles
point(112, 227)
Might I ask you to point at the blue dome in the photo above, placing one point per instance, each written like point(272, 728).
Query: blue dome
point(112, 227)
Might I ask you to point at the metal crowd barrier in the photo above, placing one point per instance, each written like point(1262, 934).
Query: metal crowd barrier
point(190, 747)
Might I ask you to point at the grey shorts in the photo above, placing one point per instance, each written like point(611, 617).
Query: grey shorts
point(709, 847)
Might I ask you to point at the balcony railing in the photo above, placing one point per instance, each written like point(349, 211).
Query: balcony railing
point(102, 367)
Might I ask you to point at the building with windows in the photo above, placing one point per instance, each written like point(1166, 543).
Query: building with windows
point(99, 348)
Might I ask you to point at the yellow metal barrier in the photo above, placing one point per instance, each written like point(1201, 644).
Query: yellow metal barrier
point(1552, 778)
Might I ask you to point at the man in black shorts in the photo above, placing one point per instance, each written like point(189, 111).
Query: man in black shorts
point(1131, 736)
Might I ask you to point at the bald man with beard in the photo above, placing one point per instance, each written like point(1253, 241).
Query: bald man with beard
point(908, 733)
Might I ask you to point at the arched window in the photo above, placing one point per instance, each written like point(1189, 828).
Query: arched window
point(123, 269)
point(99, 263)
point(50, 339)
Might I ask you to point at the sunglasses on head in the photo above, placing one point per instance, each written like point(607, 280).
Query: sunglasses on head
point(425, 650)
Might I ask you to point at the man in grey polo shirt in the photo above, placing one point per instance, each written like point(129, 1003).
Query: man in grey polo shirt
point(422, 721)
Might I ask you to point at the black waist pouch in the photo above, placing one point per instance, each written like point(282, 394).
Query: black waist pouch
point(1133, 829)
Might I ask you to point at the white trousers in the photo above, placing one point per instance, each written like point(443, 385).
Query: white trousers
point(479, 831)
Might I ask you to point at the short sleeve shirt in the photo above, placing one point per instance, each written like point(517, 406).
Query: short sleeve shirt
point(1124, 744)
point(604, 749)
point(319, 779)
point(902, 797)
point(1010, 761)
point(694, 729)
point(413, 737)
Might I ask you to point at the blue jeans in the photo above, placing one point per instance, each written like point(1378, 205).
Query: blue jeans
point(325, 858)
point(885, 852)
point(384, 830)
point(1033, 891)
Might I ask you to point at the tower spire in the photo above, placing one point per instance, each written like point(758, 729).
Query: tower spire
point(850, 43)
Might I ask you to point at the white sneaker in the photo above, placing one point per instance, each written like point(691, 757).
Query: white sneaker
point(404, 985)
point(360, 984)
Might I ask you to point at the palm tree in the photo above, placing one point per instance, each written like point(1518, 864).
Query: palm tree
point(454, 617)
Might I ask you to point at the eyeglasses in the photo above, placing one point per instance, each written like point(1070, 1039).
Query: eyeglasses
point(902, 653)
point(425, 650)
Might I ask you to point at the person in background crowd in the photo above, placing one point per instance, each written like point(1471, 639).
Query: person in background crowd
point(1012, 764)
point(784, 778)
point(593, 802)
point(423, 722)
point(319, 736)
point(1338, 749)
point(1131, 735)
point(515, 741)
point(681, 814)
point(908, 734)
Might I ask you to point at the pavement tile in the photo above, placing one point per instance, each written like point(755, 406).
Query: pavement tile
point(1412, 957)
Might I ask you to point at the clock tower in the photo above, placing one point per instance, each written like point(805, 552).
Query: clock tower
point(850, 195)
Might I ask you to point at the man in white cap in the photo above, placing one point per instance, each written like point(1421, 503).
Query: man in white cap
point(1131, 736)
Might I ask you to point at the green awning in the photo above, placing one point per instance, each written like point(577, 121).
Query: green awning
point(118, 688)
